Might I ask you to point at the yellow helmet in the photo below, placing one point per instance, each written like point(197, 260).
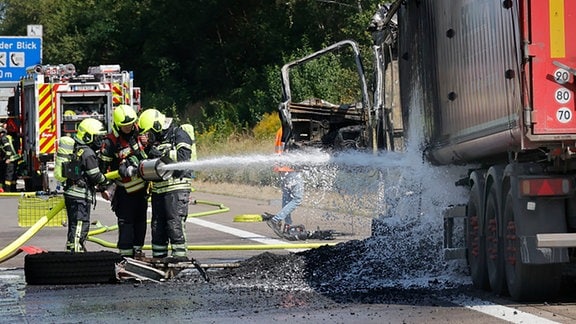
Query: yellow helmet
point(124, 115)
point(151, 119)
point(89, 130)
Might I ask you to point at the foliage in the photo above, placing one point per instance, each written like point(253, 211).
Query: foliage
point(213, 63)
point(267, 127)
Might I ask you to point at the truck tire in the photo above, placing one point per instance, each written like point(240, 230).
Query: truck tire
point(476, 248)
point(53, 268)
point(494, 252)
point(526, 282)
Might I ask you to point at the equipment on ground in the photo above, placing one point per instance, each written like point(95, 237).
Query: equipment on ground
point(300, 233)
point(159, 270)
point(493, 85)
point(245, 218)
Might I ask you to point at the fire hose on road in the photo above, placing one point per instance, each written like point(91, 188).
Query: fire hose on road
point(151, 170)
point(13, 248)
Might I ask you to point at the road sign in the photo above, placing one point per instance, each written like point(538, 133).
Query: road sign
point(34, 30)
point(17, 53)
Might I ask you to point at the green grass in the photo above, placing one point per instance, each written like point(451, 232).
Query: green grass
point(237, 145)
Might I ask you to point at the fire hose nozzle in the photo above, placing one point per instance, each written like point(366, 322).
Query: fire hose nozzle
point(149, 170)
point(154, 169)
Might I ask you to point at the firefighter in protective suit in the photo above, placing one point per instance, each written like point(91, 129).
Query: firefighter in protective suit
point(10, 159)
point(122, 150)
point(170, 198)
point(81, 175)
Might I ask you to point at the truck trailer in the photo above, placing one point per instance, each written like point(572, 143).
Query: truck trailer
point(494, 82)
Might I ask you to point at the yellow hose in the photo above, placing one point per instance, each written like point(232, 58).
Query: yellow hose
point(238, 247)
point(103, 229)
point(12, 249)
point(18, 194)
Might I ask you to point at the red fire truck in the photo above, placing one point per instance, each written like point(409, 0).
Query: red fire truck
point(51, 100)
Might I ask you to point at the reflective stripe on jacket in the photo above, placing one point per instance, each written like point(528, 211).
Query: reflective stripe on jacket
point(8, 148)
point(118, 147)
point(178, 144)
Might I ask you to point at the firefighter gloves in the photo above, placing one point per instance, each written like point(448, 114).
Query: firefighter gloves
point(127, 171)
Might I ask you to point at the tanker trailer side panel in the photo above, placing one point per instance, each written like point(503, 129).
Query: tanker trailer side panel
point(475, 75)
point(417, 71)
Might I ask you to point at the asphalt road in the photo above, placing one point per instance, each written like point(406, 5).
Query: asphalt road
point(211, 223)
point(261, 296)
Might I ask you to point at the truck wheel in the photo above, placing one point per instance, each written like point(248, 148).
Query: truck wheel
point(52, 268)
point(526, 282)
point(494, 255)
point(476, 250)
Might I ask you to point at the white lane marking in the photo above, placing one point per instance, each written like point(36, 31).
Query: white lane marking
point(230, 230)
point(237, 232)
point(498, 311)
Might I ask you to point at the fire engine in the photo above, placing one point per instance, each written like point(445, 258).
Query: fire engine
point(51, 100)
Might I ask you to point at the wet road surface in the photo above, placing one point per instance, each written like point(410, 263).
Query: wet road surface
point(277, 285)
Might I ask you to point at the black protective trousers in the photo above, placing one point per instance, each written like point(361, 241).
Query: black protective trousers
point(78, 212)
point(10, 177)
point(131, 209)
point(169, 213)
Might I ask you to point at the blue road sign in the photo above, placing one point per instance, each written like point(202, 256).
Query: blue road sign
point(17, 53)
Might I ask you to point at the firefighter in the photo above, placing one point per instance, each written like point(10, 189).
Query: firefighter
point(10, 158)
point(170, 198)
point(123, 150)
point(81, 177)
point(292, 185)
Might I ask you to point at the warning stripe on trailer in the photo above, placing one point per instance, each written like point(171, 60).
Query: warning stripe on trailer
point(557, 16)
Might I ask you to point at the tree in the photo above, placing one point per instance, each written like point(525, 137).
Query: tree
point(194, 56)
